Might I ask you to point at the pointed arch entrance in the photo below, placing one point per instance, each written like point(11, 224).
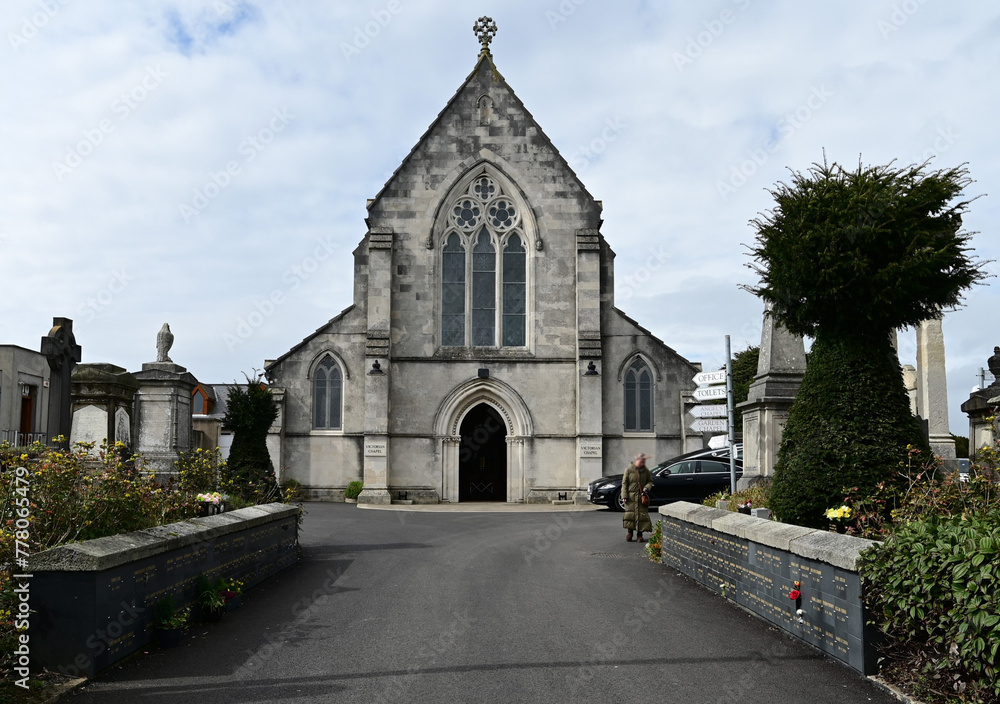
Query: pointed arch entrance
point(482, 456)
point(471, 412)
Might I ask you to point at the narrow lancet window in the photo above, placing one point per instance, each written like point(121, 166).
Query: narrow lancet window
point(484, 291)
point(514, 293)
point(453, 293)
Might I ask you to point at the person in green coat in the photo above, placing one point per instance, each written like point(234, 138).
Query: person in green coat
point(636, 481)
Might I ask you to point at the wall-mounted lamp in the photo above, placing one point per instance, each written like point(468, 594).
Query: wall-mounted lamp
point(591, 369)
point(376, 369)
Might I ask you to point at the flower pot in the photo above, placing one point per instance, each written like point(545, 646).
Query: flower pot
point(210, 615)
point(744, 510)
point(204, 507)
point(838, 528)
point(168, 637)
point(234, 602)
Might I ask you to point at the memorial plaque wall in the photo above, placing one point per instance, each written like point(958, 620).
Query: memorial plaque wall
point(94, 601)
point(760, 577)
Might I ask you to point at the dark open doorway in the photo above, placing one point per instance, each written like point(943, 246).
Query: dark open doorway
point(482, 468)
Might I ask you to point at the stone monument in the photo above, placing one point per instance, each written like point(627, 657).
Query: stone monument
point(932, 388)
point(163, 409)
point(982, 404)
point(780, 368)
point(63, 354)
point(103, 397)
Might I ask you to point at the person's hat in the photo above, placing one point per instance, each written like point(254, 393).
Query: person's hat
point(641, 456)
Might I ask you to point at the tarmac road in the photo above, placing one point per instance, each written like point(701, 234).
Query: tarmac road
point(506, 606)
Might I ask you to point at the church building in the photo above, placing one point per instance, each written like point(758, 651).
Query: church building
point(483, 358)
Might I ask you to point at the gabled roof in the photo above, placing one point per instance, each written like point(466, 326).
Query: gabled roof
point(657, 340)
point(307, 340)
point(484, 63)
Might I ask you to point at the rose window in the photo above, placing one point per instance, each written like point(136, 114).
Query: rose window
point(467, 213)
point(501, 214)
point(484, 188)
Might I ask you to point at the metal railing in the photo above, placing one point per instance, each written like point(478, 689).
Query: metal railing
point(19, 439)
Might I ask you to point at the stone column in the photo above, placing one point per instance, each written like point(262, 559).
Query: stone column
point(780, 369)
point(589, 396)
point(103, 403)
point(982, 404)
point(378, 368)
point(63, 354)
point(932, 388)
point(163, 415)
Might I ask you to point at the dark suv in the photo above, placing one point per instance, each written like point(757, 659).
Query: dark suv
point(693, 477)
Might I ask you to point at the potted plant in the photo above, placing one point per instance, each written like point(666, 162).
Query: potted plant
point(232, 593)
point(213, 605)
point(839, 518)
point(212, 502)
point(745, 507)
point(169, 622)
point(352, 492)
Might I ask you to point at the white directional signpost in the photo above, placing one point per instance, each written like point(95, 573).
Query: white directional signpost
point(717, 418)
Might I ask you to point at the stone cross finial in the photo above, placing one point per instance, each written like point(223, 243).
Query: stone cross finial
point(485, 28)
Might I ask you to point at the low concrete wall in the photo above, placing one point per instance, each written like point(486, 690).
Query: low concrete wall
point(755, 562)
point(93, 602)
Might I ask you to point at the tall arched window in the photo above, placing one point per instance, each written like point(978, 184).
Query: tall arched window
point(514, 292)
point(484, 223)
point(638, 397)
point(327, 392)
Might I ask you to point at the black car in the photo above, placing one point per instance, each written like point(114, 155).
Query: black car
point(693, 476)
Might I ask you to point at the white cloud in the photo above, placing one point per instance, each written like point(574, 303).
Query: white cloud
point(229, 64)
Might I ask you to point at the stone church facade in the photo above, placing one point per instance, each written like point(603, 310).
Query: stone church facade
point(483, 357)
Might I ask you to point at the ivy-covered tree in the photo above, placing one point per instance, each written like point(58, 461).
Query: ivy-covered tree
point(846, 257)
point(250, 411)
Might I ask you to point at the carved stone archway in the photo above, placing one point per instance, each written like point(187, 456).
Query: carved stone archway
point(447, 428)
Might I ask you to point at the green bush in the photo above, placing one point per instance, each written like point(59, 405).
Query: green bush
point(249, 473)
point(849, 429)
point(353, 490)
point(198, 470)
point(934, 588)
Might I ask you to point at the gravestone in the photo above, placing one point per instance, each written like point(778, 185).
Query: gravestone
point(63, 354)
point(163, 409)
point(780, 368)
point(982, 404)
point(103, 397)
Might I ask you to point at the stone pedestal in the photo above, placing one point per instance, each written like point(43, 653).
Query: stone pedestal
point(163, 415)
point(780, 368)
point(103, 397)
point(932, 388)
point(981, 405)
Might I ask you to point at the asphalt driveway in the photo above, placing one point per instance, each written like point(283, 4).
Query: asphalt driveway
point(418, 606)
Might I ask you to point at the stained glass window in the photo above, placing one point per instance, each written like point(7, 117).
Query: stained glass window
point(514, 292)
point(327, 389)
point(453, 293)
point(479, 219)
point(638, 397)
point(484, 291)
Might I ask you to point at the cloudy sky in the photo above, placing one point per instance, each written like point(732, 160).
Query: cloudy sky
point(180, 161)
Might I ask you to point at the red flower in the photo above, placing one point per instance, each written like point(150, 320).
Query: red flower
point(794, 595)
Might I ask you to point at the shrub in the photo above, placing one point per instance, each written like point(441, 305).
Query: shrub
point(353, 490)
point(850, 427)
point(249, 473)
point(655, 543)
point(291, 490)
point(198, 470)
point(934, 588)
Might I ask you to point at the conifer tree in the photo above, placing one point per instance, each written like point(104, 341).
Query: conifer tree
point(250, 411)
point(847, 257)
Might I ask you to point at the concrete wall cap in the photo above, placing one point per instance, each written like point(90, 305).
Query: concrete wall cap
point(833, 548)
point(114, 550)
point(693, 513)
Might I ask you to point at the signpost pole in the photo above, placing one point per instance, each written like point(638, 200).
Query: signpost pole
point(732, 421)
